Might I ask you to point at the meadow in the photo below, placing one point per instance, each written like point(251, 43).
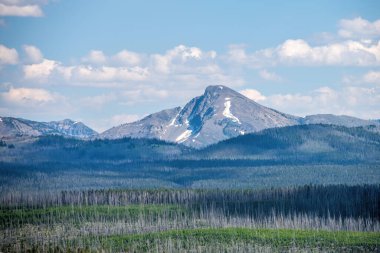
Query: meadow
point(294, 219)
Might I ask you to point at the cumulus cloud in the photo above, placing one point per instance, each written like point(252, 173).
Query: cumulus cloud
point(237, 54)
point(34, 103)
point(188, 66)
point(372, 77)
point(94, 73)
point(109, 74)
point(361, 102)
point(40, 71)
point(369, 79)
point(181, 58)
point(95, 57)
point(355, 101)
point(348, 53)
point(28, 96)
point(126, 57)
point(301, 53)
point(20, 10)
point(359, 28)
point(8, 55)
point(33, 54)
point(253, 94)
point(358, 46)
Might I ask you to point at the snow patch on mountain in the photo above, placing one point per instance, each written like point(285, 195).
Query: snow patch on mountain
point(227, 111)
point(219, 113)
point(184, 136)
point(173, 121)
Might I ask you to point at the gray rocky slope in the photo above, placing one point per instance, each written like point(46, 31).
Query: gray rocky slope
point(219, 114)
point(10, 127)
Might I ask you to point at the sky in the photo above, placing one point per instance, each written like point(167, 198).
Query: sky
point(110, 62)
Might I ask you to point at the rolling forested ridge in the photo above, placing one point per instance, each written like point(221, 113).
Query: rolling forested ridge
point(296, 188)
point(278, 157)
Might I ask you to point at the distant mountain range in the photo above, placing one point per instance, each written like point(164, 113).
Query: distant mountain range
point(219, 114)
point(11, 127)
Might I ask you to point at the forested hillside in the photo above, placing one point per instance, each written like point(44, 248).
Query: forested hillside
point(296, 155)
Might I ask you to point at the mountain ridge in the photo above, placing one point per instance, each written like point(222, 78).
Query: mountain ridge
point(218, 114)
point(10, 127)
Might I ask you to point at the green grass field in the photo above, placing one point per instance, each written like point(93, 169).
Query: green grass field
point(297, 220)
point(229, 239)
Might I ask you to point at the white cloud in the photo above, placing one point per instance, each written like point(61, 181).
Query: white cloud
point(8, 55)
point(181, 58)
point(24, 2)
point(161, 64)
point(360, 47)
point(237, 54)
point(253, 94)
point(294, 49)
point(109, 74)
point(128, 58)
point(28, 96)
point(360, 102)
point(82, 74)
point(21, 11)
point(95, 57)
point(34, 103)
point(40, 71)
point(359, 28)
point(33, 54)
point(299, 52)
point(372, 77)
point(270, 76)
point(176, 68)
point(185, 53)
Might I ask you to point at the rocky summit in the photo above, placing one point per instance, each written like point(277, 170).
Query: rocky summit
point(220, 113)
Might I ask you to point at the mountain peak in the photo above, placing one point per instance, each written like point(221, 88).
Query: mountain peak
point(213, 88)
point(220, 113)
point(220, 89)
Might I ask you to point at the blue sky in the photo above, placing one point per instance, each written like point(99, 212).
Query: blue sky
point(111, 62)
